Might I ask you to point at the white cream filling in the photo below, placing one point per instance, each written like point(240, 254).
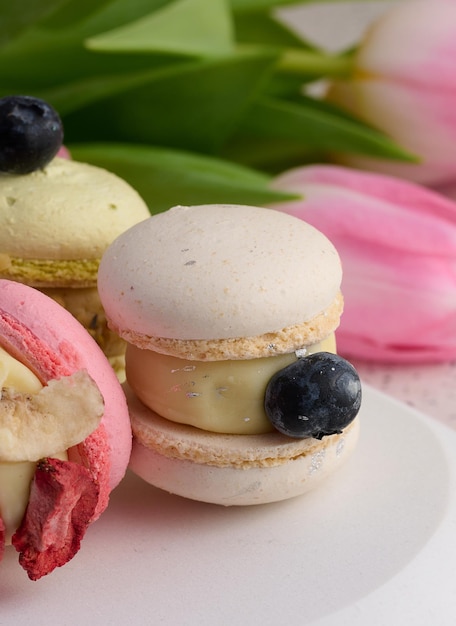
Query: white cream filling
point(218, 396)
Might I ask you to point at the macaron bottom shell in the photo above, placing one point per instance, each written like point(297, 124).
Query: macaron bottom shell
point(159, 458)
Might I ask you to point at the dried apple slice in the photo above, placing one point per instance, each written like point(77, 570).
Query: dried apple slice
point(59, 416)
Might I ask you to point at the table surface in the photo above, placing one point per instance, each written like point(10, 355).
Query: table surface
point(430, 389)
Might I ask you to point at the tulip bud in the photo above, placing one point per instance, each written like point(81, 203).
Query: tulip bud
point(397, 243)
point(404, 83)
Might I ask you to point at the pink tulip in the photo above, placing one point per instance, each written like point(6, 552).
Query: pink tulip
point(404, 83)
point(397, 242)
point(448, 190)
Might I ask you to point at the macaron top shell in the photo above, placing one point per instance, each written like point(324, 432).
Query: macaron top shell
point(69, 210)
point(46, 338)
point(216, 272)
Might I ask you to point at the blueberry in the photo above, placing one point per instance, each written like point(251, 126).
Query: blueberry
point(31, 134)
point(315, 396)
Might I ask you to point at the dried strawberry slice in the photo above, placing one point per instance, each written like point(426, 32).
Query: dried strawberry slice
point(62, 501)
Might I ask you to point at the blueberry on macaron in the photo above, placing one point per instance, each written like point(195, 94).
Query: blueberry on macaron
point(31, 134)
point(316, 396)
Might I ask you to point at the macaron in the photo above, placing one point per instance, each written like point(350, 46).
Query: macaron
point(235, 391)
point(65, 431)
point(55, 224)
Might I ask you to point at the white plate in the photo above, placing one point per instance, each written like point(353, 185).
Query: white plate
point(374, 545)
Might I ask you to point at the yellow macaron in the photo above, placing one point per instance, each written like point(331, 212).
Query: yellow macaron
point(55, 224)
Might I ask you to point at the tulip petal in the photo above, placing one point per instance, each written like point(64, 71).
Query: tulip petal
point(404, 84)
point(413, 42)
point(388, 188)
point(421, 120)
point(397, 243)
point(373, 208)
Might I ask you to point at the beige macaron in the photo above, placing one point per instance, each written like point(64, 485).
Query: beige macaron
point(212, 301)
point(55, 224)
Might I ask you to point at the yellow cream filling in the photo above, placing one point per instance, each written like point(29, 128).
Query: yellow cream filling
point(15, 478)
point(218, 396)
point(15, 374)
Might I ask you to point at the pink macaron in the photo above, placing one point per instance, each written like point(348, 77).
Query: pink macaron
point(71, 493)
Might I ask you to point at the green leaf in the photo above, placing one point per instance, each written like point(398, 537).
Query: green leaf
point(193, 106)
point(297, 56)
point(262, 28)
point(70, 97)
point(97, 16)
point(17, 15)
point(270, 154)
point(309, 64)
point(298, 61)
point(318, 126)
point(194, 27)
point(260, 5)
point(165, 178)
point(52, 53)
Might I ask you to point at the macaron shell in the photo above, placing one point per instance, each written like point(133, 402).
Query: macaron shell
point(231, 469)
point(216, 272)
point(49, 340)
point(67, 211)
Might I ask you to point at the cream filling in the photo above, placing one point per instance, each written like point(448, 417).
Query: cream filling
point(218, 396)
point(15, 478)
point(52, 272)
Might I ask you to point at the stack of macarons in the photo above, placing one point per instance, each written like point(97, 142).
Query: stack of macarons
point(236, 395)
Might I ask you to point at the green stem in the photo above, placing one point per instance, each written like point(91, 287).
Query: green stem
point(305, 63)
